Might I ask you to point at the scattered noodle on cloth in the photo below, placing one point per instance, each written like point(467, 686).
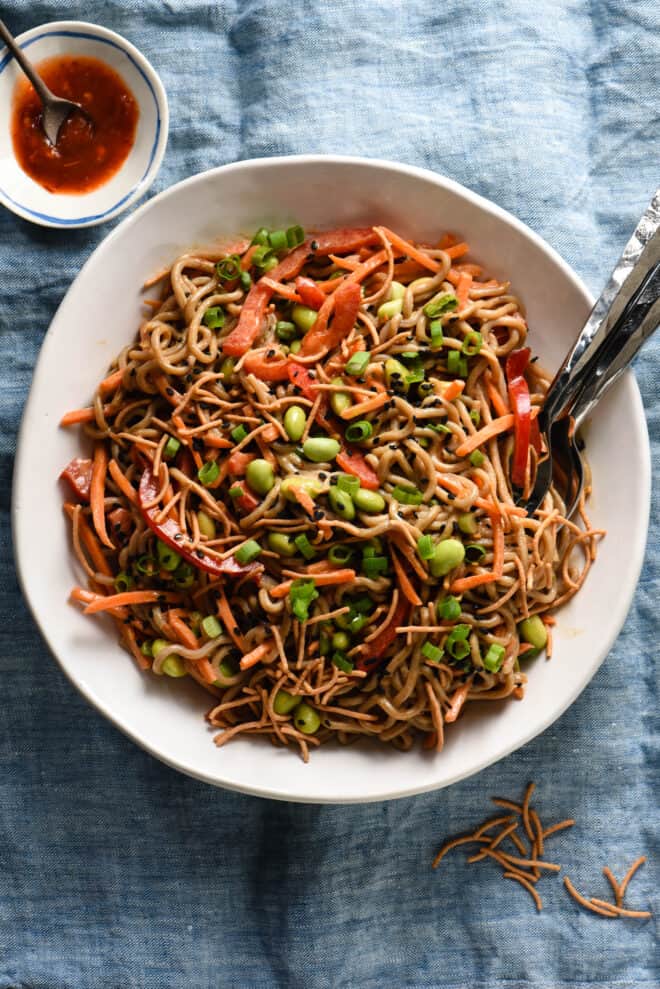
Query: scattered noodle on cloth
point(301, 490)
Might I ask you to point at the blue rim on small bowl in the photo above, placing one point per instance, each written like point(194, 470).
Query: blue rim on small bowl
point(19, 193)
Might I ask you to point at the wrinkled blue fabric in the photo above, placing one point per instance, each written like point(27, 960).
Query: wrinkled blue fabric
point(115, 870)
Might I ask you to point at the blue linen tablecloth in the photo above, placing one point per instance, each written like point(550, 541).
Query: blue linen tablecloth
point(117, 872)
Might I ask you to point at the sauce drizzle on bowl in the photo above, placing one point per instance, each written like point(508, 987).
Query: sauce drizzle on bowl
point(85, 157)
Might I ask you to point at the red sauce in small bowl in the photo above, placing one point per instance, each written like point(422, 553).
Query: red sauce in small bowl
point(85, 157)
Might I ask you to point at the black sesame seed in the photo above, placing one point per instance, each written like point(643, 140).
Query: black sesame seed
point(270, 353)
point(314, 245)
point(199, 554)
point(393, 446)
point(322, 475)
point(170, 391)
point(237, 630)
point(178, 536)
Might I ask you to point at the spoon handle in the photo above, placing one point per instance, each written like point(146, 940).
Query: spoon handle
point(42, 89)
point(625, 315)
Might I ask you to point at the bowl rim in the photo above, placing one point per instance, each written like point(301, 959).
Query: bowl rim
point(97, 33)
point(618, 609)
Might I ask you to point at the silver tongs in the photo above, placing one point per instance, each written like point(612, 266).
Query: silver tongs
point(624, 317)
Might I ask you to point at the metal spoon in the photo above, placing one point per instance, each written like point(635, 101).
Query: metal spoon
point(623, 318)
point(56, 110)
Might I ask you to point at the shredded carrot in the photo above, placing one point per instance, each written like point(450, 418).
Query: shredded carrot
point(90, 542)
point(447, 240)
point(270, 433)
point(476, 580)
point(231, 625)
point(217, 442)
point(370, 405)
point(344, 263)
point(255, 656)
point(87, 597)
point(205, 669)
point(246, 260)
point(184, 634)
point(321, 580)
point(457, 702)
point(97, 493)
point(499, 403)
point(456, 250)
point(284, 290)
point(463, 287)
point(451, 389)
point(122, 482)
point(304, 499)
point(406, 586)
point(76, 416)
point(111, 383)
point(410, 250)
point(127, 598)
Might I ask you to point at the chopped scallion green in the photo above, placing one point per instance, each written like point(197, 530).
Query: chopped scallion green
point(304, 546)
point(358, 362)
point(238, 433)
point(248, 552)
point(208, 473)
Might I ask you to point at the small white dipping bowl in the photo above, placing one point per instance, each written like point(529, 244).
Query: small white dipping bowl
point(24, 196)
point(166, 716)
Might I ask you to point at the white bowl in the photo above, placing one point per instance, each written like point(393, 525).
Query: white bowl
point(24, 196)
point(165, 716)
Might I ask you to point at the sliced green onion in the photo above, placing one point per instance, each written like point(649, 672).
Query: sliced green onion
point(301, 595)
point(439, 427)
point(359, 431)
point(174, 666)
point(211, 627)
point(396, 375)
point(453, 361)
point(348, 483)
point(533, 630)
point(171, 448)
point(415, 376)
point(146, 648)
point(407, 496)
point(457, 645)
point(474, 552)
point(303, 317)
point(229, 268)
point(434, 653)
point(396, 290)
point(227, 368)
point(146, 565)
point(261, 237)
point(123, 582)
point(472, 343)
point(493, 659)
point(437, 307)
point(208, 473)
point(477, 458)
point(270, 263)
point(325, 644)
point(261, 255)
point(362, 605)
point(448, 608)
point(214, 317)
point(295, 235)
point(463, 367)
point(339, 400)
point(285, 331)
point(437, 335)
point(236, 491)
point(358, 362)
point(475, 416)
point(248, 552)
point(206, 525)
point(342, 663)
point(184, 576)
point(227, 668)
point(305, 547)
point(168, 558)
point(425, 547)
point(340, 554)
point(389, 309)
point(295, 346)
point(373, 566)
point(238, 433)
point(245, 279)
point(467, 523)
point(277, 240)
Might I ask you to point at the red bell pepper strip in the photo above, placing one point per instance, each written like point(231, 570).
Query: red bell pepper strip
point(245, 502)
point(79, 475)
point(369, 660)
point(301, 378)
point(309, 292)
point(347, 301)
point(169, 532)
point(267, 369)
point(516, 363)
point(254, 308)
point(238, 462)
point(354, 463)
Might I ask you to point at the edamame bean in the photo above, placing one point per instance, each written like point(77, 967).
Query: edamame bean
point(173, 666)
point(295, 346)
point(168, 558)
point(396, 291)
point(227, 369)
point(368, 501)
point(206, 525)
point(285, 702)
point(448, 554)
point(533, 630)
point(341, 641)
point(260, 476)
point(320, 449)
point(306, 719)
point(467, 523)
point(341, 503)
point(396, 375)
point(339, 400)
point(307, 484)
point(389, 309)
point(279, 543)
point(303, 317)
point(295, 421)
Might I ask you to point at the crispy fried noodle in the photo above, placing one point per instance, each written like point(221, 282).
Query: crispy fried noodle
point(302, 482)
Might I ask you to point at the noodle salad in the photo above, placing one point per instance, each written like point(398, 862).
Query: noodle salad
point(302, 488)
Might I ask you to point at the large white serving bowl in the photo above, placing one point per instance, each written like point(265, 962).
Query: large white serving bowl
point(100, 314)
